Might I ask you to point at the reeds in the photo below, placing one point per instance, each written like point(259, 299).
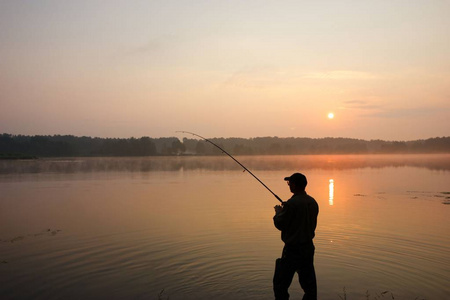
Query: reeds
point(377, 296)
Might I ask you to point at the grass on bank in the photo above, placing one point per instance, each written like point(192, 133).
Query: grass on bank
point(377, 296)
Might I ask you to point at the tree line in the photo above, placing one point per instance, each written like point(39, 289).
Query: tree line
point(292, 146)
point(68, 145)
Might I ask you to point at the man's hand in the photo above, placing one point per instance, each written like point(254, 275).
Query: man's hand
point(278, 208)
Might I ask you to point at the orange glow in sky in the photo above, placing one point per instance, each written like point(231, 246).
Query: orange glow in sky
point(225, 68)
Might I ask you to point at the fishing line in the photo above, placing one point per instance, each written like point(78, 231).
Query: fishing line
point(245, 169)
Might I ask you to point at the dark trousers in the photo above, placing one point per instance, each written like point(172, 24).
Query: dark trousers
point(300, 259)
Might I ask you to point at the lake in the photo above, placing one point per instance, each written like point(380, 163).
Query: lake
point(201, 228)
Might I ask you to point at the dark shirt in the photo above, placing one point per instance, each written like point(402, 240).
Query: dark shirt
point(298, 219)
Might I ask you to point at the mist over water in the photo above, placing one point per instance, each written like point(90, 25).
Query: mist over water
point(200, 228)
point(220, 163)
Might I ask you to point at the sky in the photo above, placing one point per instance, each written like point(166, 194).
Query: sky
point(226, 68)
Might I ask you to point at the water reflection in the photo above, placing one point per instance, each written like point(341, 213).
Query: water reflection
point(331, 192)
point(276, 162)
point(126, 234)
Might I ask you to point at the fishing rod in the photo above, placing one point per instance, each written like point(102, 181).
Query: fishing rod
point(245, 169)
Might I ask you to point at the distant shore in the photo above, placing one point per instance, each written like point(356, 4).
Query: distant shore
point(16, 156)
point(30, 147)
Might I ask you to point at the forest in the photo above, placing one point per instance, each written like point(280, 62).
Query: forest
point(22, 146)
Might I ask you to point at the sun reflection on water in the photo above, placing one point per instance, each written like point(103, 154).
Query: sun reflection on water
point(331, 191)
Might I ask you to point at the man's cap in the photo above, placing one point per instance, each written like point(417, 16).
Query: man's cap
point(297, 178)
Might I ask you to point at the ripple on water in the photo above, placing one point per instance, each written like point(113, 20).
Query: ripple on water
point(406, 261)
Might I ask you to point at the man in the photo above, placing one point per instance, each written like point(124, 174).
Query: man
point(297, 220)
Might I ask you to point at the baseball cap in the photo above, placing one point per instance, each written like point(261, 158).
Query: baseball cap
point(297, 178)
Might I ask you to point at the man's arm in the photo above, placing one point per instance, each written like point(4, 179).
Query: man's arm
point(281, 216)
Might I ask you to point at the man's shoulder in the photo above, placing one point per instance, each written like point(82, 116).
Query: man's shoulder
point(302, 197)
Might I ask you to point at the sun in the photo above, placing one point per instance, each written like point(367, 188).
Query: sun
point(330, 115)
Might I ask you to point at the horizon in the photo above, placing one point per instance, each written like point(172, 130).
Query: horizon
point(180, 137)
point(371, 71)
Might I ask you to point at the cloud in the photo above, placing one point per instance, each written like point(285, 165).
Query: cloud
point(264, 76)
point(341, 75)
point(156, 45)
point(374, 110)
point(355, 102)
point(408, 112)
point(257, 77)
point(370, 109)
point(360, 104)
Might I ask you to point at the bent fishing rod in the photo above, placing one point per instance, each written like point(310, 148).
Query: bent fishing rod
point(245, 169)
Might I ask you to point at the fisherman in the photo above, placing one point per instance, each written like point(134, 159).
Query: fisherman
point(297, 220)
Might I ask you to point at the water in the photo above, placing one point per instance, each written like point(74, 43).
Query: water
point(200, 228)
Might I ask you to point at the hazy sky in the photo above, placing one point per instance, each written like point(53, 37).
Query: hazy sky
point(226, 68)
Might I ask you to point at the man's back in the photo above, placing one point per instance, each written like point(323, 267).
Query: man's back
point(298, 219)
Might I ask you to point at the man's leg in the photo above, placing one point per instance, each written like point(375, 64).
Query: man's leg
point(307, 274)
point(284, 272)
point(307, 279)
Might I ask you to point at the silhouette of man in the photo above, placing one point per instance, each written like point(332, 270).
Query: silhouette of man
point(297, 220)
